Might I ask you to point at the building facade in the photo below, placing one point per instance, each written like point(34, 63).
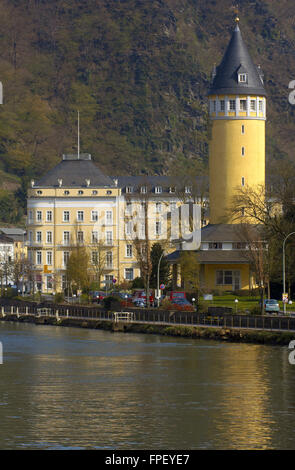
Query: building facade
point(75, 204)
point(237, 109)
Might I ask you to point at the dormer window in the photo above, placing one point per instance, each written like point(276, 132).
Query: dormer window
point(158, 189)
point(172, 189)
point(129, 189)
point(143, 189)
point(187, 190)
point(243, 77)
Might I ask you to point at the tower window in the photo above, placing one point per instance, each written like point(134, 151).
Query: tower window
point(243, 151)
point(243, 181)
point(243, 105)
point(243, 129)
point(232, 105)
point(242, 78)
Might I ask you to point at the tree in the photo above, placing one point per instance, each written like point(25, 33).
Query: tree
point(164, 271)
point(98, 260)
point(190, 270)
point(77, 270)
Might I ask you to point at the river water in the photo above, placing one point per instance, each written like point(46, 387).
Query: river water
point(70, 388)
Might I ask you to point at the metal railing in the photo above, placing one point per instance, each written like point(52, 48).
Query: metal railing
point(164, 317)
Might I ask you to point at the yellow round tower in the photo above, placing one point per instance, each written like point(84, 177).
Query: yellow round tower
point(237, 101)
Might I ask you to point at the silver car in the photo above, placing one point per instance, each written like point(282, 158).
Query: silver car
point(271, 305)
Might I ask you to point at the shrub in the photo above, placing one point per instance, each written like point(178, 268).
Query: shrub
point(58, 298)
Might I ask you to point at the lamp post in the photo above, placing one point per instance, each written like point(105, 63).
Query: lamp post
point(284, 277)
point(158, 278)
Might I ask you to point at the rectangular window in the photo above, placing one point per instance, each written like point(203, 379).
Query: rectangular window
point(243, 105)
point(215, 246)
point(260, 106)
point(39, 216)
point(129, 251)
point(49, 216)
point(94, 216)
point(243, 181)
point(80, 237)
point(224, 278)
point(253, 105)
point(49, 257)
point(129, 189)
point(66, 216)
point(243, 129)
point(222, 105)
point(128, 208)
point(39, 237)
point(30, 216)
point(158, 207)
point(109, 238)
point(94, 237)
point(66, 238)
point(109, 218)
point(30, 236)
point(158, 228)
point(243, 151)
point(239, 246)
point(242, 77)
point(232, 105)
point(48, 237)
point(94, 257)
point(80, 216)
point(128, 228)
point(158, 189)
point(214, 106)
point(109, 259)
point(39, 257)
point(66, 256)
point(129, 274)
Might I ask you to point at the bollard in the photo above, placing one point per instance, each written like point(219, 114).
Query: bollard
point(27, 311)
point(11, 309)
point(67, 312)
point(56, 314)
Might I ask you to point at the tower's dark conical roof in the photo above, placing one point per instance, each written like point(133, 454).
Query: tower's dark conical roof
point(237, 60)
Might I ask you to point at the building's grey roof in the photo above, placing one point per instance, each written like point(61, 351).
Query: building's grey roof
point(237, 60)
point(16, 234)
point(213, 257)
point(75, 173)
point(165, 182)
point(5, 239)
point(224, 232)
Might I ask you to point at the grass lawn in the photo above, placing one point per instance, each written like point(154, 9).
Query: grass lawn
point(243, 304)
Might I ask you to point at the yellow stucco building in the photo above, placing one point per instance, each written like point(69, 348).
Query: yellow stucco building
point(237, 109)
point(75, 204)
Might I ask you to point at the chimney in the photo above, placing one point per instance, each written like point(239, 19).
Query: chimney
point(59, 182)
point(87, 182)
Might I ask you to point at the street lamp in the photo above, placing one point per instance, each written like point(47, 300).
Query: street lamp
point(284, 277)
point(158, 278)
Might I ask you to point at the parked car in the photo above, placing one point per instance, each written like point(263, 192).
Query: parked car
point(271, 305)
point(141, 295)
point(174, 295)
point(139, 303)
point(97, 296)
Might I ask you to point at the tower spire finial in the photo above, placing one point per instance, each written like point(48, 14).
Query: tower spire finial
point(78, 135)
point(236, 11)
